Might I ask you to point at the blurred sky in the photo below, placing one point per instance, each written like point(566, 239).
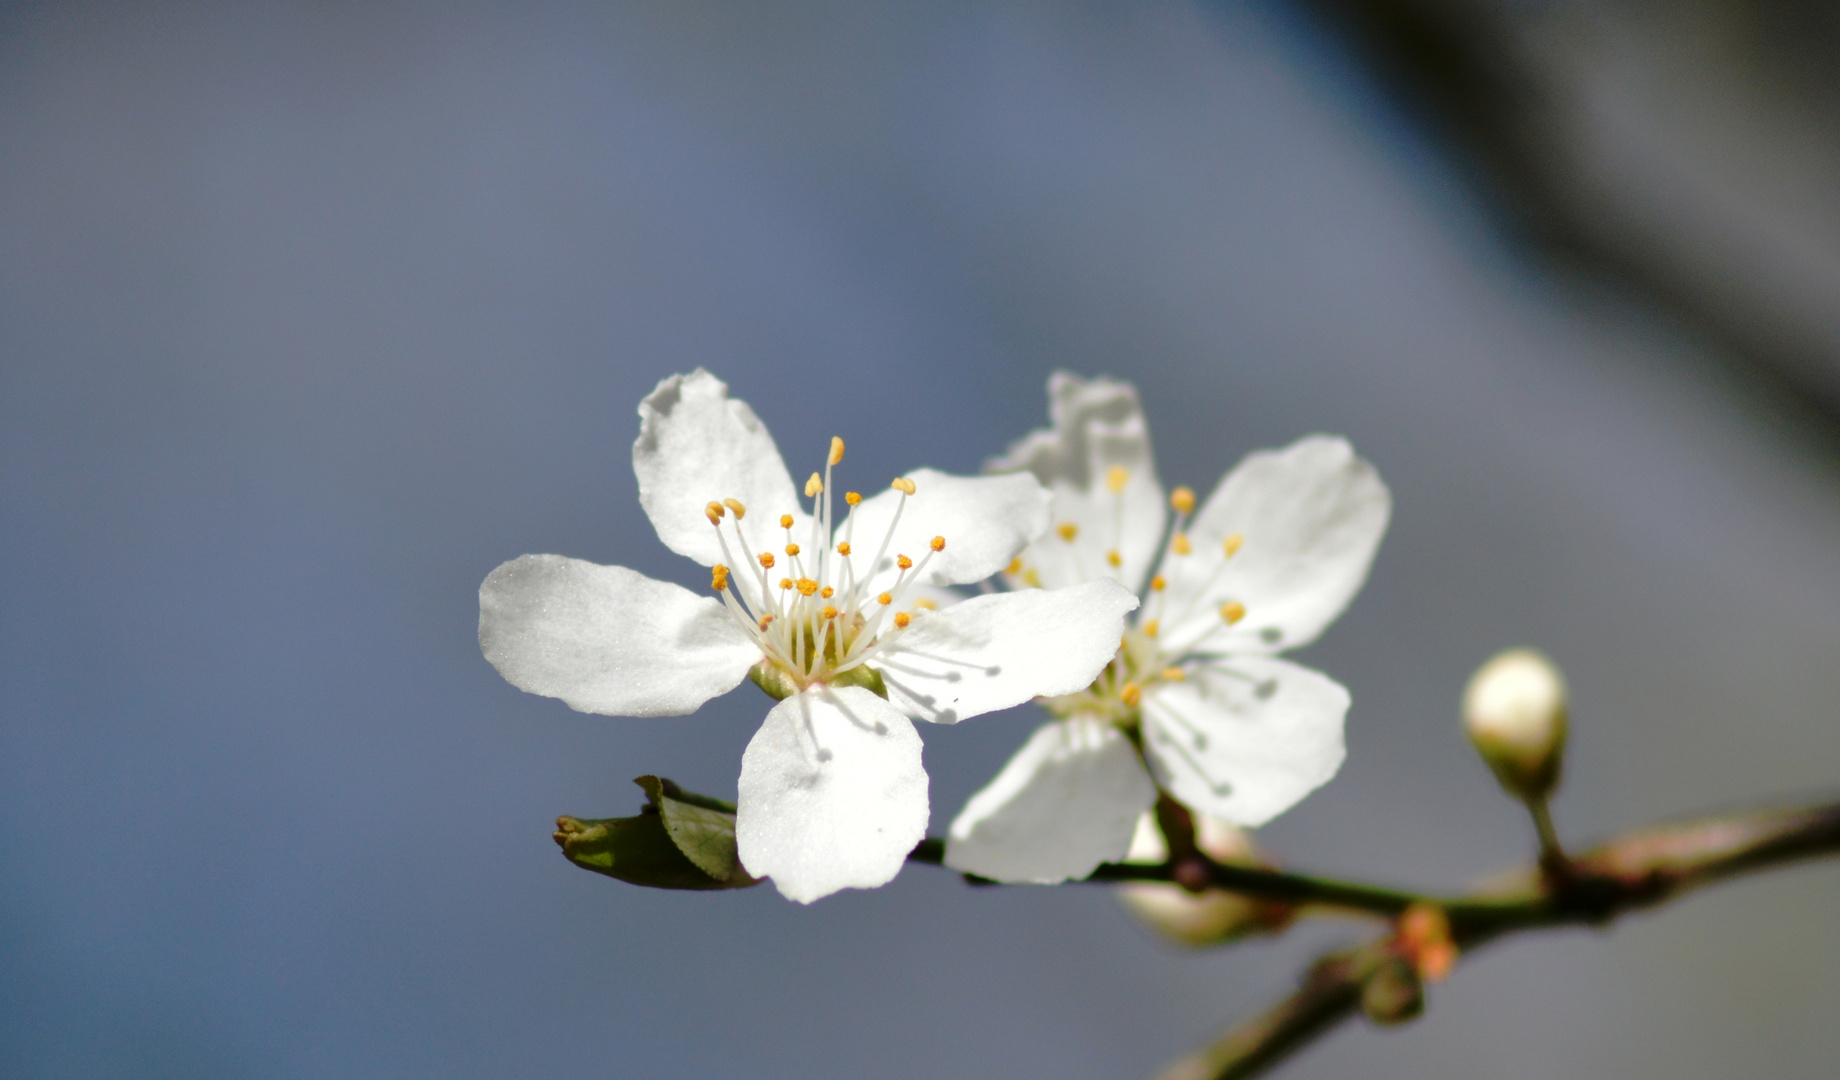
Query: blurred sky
point(311, 314)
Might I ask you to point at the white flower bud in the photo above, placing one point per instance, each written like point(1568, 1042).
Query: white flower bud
point(1514, 711)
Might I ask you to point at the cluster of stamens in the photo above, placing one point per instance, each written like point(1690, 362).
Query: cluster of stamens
point(817, 622)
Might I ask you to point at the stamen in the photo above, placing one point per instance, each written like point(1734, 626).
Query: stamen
point(1014, 567)
point(1068, 530)
point(827, 592)
point(785, 521)
point(735, 505)
point(814, 485)
point(829, 612)
point(939, 543)
point(1174, 674)
point(1113, 558)
point(1116, 478)
point(792, 550)
point(718, 577)
point(901, 619)
point(844, 549)
point(852, 497)
point(764, 620)
point(1232, 611)
point(807, 586)
point(1151, 627)
point(904, 562)
point(785, 583)
point(1182, 500)
point(1157, 584)
point(1180, 545)
point(1130, 693)
point(1232, 543)
point(836, 450)
point(925, 605)
point(903, 485)
point(714, 513)
point(766, 560)
point(885, 599)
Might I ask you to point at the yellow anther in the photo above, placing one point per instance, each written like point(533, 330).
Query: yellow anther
point(1232, 542)
point(1116, 478)
point(885, 599)
point(852, 497)
point(827, 592)
point(829, 612)
point(1068, 530)
point(714, 513)
point(844, 549)
point(1174, 674)
point(785, 521)
point(836, 449)
point(938, 543)
point(1157, 583)
point(1182, 500)
point(1014, 567)
point(766, 560)
point(814, 485)
point(1180, 545)
point(1031, 578)
point(1130, 693)
point(1114, 559)
point(1151, 627)
point(764, 620)
point(901, 619)
point(903, 485)
point(1232, 611)
point(735, 505)
point(792, 549)
point(926, 605)
point(807, 586)
point(718, 577)
point(785, 583)
point(904, 562)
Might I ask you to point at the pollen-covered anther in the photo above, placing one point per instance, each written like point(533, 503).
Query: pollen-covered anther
point(1068, 530)
point(903, 485)
point(1114, 559)
point(852, 497)
point(1180, 545)
point(718, 577)
point(836, 450)
point(785, 583)
point(844, 549)
point(785, 521)
point(827, 592)
point(938, 543)
point(792, 550)
point(904, 562)
point(1151, 628)
point(1174, 674)
point(885, 599)
point(1232, 611)
point(807, 586)
point(901, 619)
point(766, 560)
point(1014, 567)
point(1116, 478)
point(1157, 584)
point(828, 612)
point(740, 511)
point(764, 620)
point(1182, 500)
point(714, 513)
point(1129, 693)
point(814, 485)
point(1232, 542)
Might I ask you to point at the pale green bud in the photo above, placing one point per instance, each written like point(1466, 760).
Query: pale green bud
point(1514, 711)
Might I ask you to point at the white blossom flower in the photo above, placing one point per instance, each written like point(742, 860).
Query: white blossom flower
point(823, 615)
point(1196, 690)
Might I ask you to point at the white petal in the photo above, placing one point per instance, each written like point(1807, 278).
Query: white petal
point(697, 445)
point(1068, 801)
point(1245, 738)
point(1098, 426)
point(992, 652)
point(832, 794)
point(1311, 516)
point(606, 639)
point(985, 520)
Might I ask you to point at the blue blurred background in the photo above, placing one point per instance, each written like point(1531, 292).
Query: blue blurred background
point(311, 314)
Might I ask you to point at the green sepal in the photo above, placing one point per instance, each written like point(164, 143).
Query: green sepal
point(779, 686)
point(680, 840)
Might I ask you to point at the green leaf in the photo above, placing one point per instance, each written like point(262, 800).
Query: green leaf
point(680, 840)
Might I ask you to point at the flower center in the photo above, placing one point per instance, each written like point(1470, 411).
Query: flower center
point(811, 610)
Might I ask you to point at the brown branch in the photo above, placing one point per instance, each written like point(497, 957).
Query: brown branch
point(1638, 870)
